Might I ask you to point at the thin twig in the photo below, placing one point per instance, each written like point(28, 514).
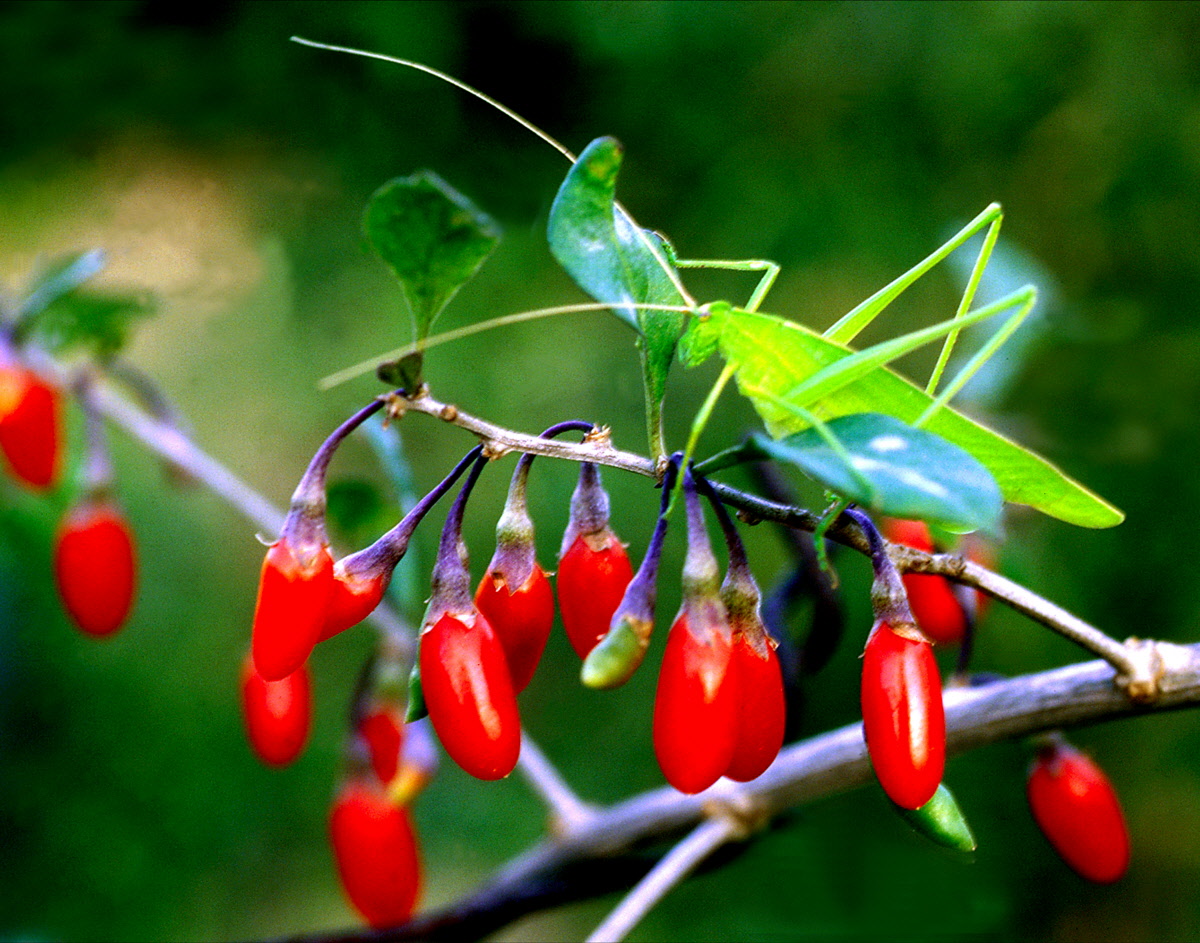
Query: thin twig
point(497, 441)
point(569, 812)
point(671, 869)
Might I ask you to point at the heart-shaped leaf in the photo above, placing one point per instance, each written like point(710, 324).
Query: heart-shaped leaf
point(891, 468)
point(433, 238)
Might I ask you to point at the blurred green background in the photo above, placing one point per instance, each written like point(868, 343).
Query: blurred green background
point(225, 169)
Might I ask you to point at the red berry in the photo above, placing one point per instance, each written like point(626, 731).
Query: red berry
point(278, 714)
point(351, 601)
point(30, 425)
point(383, 731)
point(592, 577)
point(469, 695)
point(762, 712)
point(293, 599)
point(521, 619)
point(376, 852)
point(696, 707)
point(95, 566)
point(1077, 809)
point(934, 603)
point(903, 719)
point(935, 608)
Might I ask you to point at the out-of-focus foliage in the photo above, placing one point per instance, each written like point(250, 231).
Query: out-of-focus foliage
point(225, 170)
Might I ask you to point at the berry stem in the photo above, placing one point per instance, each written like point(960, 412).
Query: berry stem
point(451, 582)
point(700, 571)
point(516, 554)
point(305, 523)
point(738, 562)
point(310, 492)
point(888, 596)
point(386, 551)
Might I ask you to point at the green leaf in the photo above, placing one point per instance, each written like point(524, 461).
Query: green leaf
point(774, 356)
point(941, 821)
point(433, 238)
point(61, 278)
point(616, 261)
point(98, 322)
point(405, 373)
point(891, 468)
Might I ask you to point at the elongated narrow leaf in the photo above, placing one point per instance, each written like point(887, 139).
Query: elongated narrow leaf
point(433, 238)
point(61, 278)
point(891, 468)
point(614, 260)
point(773, 356)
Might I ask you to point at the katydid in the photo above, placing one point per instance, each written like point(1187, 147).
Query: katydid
point(796, 378)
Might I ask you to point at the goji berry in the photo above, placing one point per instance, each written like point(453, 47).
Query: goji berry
point(696, 706)
point(297, 582)
point(762, 709)
point(293, 601)
point(351, 599)
point(30, 425)
point(592, 578)
point(278, 714)
point(383, 731)
point(95, 566)
point(375, 847)
point(903, 719)
point(935, 604)
point(762, 713)
point(593, 567)
point(521, 618)
point(696, 709)
point(469, 694)
point(1077, 809)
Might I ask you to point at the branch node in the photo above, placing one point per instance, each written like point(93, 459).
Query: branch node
point(396, 404)
point(600, 437)
point(562, 824)
point(745, 813)
point(1146, 668)
point(492, 449)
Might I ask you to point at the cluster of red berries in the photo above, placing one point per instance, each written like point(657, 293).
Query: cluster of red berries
point(479, 649)
point(719, 710)
point(95, 565)
point(720, 703)
point(371, 831)
point(904, 726)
